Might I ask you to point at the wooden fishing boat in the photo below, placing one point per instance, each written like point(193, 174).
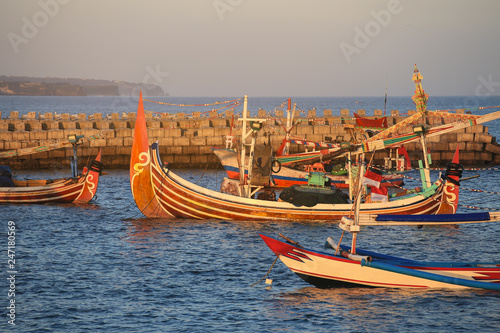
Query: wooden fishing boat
point(286, 177)
point(370, 269)
point(159, 192)
point(79, 189)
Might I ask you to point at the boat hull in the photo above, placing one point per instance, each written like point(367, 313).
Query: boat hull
point(327, 270)
point(65, 190)
point(174, 196)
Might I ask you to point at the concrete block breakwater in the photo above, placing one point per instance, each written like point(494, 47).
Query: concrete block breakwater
point(186, 140)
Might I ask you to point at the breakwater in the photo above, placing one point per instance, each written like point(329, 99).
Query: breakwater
point(186, 140)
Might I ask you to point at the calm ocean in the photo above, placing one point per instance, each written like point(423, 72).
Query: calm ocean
point(103, 267)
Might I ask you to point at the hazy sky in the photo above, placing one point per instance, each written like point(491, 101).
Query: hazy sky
point(259, 47)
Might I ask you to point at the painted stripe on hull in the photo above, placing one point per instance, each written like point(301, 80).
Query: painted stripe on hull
point(327, 281)
point(181, 203)
point(195, 202)
point(472, 274)
point(59, 194)
point(65, 190)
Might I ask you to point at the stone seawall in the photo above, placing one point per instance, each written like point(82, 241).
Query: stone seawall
point(186, 140)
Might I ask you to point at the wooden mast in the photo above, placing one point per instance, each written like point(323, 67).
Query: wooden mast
point(246, 184)
point(420, 99)
point(355, 228)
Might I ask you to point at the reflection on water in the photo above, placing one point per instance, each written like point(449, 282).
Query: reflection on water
point(372, 309)
point(103, 266)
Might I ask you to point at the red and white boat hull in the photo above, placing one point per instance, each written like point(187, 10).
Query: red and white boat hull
point(328, 270)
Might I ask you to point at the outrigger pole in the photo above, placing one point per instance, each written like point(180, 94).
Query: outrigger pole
point(74, 140)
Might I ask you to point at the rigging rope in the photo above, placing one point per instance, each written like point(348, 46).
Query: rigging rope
point(206, 167)
point(479, 108)
point(460, 187)
point(229, 107)
point(184, 105)
point(269, 271)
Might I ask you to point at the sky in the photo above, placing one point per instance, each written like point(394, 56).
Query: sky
point(259, 47)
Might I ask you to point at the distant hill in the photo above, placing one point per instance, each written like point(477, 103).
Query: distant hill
point(50, 86)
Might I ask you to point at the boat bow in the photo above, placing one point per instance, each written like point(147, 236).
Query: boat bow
point(91, 181)
point(141, 184)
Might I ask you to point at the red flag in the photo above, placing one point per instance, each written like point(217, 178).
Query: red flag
point(378, 194)
point(372, 178)
point(402, 151)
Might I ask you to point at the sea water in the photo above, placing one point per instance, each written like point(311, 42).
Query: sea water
point(105, 267)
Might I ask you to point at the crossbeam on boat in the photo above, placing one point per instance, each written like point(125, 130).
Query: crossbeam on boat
point(424, 219)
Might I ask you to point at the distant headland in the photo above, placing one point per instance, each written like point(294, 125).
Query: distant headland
point(49, 86)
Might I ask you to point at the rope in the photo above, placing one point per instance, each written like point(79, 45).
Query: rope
point(229, 107)
point(478, 208)
point(206, 167)
point(479, 108)
point(467, 169)
point(460, 187)
point(269, 271)
point(57, 144)
point(479, 191)
point(183, 105)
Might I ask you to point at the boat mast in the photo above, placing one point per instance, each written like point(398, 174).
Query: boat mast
point(420, 99)
point(74, 140)
point(355, 228)
point(243, 139)
point(349, 173)
point(289, 121)
point(385, 102)
point(255, 127)
point(425, 173)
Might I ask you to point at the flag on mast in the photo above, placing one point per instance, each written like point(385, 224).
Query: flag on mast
point(372, 178)
point(378, 194)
